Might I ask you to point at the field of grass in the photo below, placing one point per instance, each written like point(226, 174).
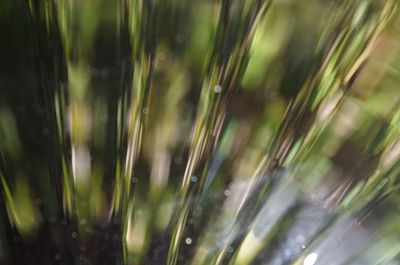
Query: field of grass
point(200, 132)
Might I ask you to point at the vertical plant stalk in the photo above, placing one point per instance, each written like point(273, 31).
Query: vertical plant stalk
point(227, 62)
point(85, 113)
point(53, 77)
point(141, 20)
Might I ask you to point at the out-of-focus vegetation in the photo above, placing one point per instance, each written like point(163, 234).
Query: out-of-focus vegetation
point(199, 132)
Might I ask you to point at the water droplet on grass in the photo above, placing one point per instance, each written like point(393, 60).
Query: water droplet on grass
point(188, 240)
point(217, 89)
